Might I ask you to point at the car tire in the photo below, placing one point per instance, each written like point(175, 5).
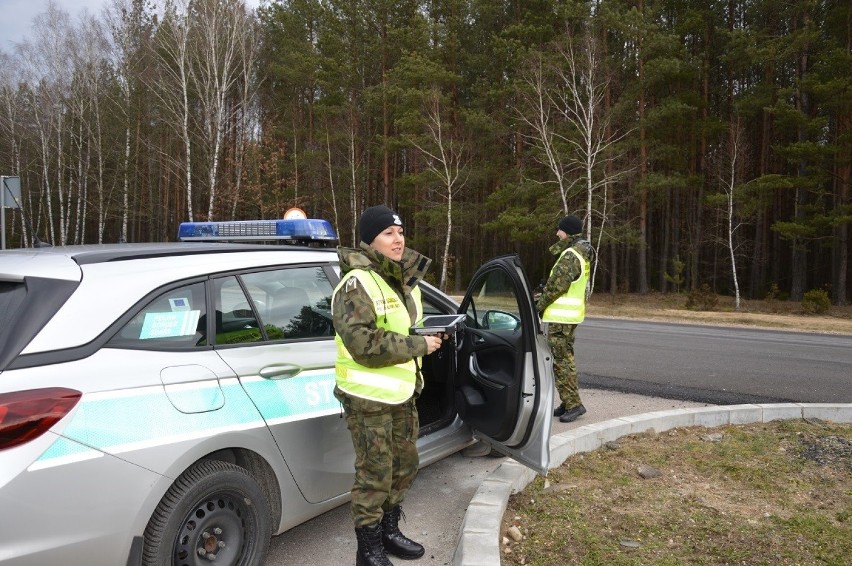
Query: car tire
point(213, 506)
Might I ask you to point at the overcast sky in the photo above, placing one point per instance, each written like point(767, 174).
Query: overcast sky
point(16, 16)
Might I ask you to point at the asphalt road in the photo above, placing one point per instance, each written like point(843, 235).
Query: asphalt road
point(626, 368)
point(710, 364)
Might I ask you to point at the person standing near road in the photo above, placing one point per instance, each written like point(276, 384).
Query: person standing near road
point(378, 378)
point(562, 305)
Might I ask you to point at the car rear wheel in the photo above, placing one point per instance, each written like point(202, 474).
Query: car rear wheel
point(215, 512)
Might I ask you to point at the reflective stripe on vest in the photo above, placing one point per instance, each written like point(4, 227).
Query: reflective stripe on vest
point(570, 307)
point(391, 384)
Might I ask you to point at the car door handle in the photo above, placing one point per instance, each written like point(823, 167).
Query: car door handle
point(282, 371)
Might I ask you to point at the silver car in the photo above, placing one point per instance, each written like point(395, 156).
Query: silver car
point(172, 403)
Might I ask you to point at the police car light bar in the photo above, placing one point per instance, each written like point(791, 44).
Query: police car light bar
point(306, 231)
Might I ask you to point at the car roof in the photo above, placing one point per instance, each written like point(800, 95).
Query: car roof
point(114, 277)
point(95, 253)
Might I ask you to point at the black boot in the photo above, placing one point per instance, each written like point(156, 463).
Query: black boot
point(559, 411)
point(370, 549)
point(570, 415)
point(394, 541)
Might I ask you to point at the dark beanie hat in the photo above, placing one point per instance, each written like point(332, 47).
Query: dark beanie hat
point(571, 225)
point(374, 220)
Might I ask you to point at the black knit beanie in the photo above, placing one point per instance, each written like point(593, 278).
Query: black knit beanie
point(374, 220)
point(571, 225)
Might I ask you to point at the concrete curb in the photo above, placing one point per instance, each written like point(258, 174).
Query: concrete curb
point(479, 536)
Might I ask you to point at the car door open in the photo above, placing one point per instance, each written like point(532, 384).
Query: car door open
point(504, 383)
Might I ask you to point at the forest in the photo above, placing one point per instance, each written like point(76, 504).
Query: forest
point(706, 144)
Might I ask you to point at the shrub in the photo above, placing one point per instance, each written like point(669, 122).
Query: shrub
point(773, 297)
point(676, 278)
point(816, 301)
point(702, 299)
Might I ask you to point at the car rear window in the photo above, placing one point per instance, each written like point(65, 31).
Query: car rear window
point(174, 319)
point(12, 295)
point(25, 307)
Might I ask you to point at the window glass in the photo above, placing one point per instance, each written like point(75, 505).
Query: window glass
point(236, 322)
point(494, 304)
point(12, 295)
point(430, 308)
point(292, 303)
point(12, 299)
point(177, 318)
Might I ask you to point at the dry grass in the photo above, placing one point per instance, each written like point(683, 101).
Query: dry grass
point(767, 493)
point(779, 315)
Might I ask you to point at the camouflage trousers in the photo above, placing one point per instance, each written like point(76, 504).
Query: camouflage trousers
point(386, 459)
point(560, 337)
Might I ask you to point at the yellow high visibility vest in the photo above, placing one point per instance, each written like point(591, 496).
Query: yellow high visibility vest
point(570, 307)
point(392, 384)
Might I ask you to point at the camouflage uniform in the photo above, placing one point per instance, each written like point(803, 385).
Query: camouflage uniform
point(560, 337)
point(384, 436)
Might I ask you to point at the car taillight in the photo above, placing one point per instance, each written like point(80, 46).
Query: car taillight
point(25, 415)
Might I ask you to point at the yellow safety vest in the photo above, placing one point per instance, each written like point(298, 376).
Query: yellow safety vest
point(570, 307)
point(391, 384)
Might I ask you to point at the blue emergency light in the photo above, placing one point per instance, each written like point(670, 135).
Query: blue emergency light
point(303, 231)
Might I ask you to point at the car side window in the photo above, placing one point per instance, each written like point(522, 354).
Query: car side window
point(494, 305)
point(293, 303)
point(430, 308)
point(236, 321)
point(175, 319)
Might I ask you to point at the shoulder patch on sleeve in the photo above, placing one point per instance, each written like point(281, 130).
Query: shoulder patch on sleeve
point(351, 284)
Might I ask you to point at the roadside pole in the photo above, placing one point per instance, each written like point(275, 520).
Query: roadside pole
point(2, 213)
point(12, 185)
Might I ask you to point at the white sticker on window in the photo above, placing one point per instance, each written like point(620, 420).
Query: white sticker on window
point(169, 324)
point(179, 304)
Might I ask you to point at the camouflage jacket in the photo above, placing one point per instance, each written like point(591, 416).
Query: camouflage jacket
point(566, 271)
point(355, 317)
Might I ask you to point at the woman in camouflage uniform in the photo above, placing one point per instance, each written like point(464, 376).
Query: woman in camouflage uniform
point(378, 379)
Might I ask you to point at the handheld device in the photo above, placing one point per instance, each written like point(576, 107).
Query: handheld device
point(438, 324)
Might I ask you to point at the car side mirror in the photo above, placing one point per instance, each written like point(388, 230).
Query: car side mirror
point(499, 320)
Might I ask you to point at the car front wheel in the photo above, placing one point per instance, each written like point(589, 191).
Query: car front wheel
point(215, 512)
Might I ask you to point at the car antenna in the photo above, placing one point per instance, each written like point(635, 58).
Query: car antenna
point(37, 243)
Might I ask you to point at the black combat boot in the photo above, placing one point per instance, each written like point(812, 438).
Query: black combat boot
point(570, 415)
point(394, 541)
point(370, 549)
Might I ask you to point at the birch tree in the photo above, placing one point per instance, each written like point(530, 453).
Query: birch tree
point(729, 180)
point(129, 25)
point(581, 103)
point(10, 98)
point(223, 29)
point(330, 164)
point(564, 109)
point(536, 109)
point(10, 114)
point(247, 111)
point(47, 72)
point(354, 163)
point(173, 87)
point(89, 54)
point(446, 160)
